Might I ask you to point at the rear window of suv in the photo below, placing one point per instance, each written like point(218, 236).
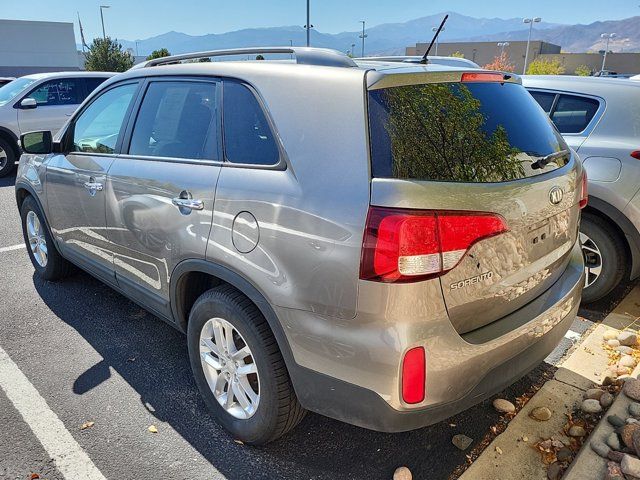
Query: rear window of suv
point(459, 132)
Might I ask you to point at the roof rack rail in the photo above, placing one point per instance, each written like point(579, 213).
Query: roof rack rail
point(303, 56)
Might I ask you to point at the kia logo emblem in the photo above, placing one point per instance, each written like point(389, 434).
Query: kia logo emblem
point(555, 195)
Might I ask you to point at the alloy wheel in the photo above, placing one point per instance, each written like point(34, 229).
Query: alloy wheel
point(592, 260)
point(229, 368)
point(4, 158)
point(37, 240)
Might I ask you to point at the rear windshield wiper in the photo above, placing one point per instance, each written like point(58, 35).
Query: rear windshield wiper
point(544, 161)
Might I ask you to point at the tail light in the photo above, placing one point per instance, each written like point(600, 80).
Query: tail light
point(636, 154)
point(414, 375)
point(402, 245)
point(482, 77)
point(584, 194)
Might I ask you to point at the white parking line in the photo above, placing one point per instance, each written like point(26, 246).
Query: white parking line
point(12, 247)
point(69, 457)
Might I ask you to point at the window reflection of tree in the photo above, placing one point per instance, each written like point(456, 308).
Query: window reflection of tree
point(437, 133)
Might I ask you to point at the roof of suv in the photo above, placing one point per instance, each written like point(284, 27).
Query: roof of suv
point(589, 85)
point(48, 75)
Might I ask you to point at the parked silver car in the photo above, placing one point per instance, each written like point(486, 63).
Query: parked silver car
point(43, 101)
point(600, 119)
point(386, 245)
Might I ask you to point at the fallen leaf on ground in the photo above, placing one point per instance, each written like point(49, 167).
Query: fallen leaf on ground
point(34, 476)
point(153, 429)
point(86, 425)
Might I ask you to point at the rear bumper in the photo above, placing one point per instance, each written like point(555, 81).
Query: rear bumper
point(478, 365)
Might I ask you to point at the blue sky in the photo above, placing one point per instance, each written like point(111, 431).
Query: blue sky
point(137, 19)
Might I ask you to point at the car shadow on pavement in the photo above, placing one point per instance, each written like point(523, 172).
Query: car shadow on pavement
point(8, 181)
point(151, 357)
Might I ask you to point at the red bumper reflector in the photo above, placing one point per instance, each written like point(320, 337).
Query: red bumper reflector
point(414, 375)
point(636, 154)
point(584, 194)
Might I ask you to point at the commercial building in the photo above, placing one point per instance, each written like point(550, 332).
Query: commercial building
point(34, 47)
point(485, 52)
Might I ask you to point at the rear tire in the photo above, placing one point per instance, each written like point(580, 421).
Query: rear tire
point(277, 409)
point(7, 158)
point(44, 255)
point(605, 257)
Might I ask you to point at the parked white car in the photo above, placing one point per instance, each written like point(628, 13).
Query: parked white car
point(40, 102)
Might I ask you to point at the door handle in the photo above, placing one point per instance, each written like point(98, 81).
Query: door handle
point(188, 203)
point(95, 186)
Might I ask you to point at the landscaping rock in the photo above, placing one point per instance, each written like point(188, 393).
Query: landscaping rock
point(631, 389)
point(610, 335)
point(554, 472)
point(636, 441)
point(614, 472)
point(615, 456)
point(600, 448)
point(609, 377)
point(564, 454)
point(613, 343)
point(622, 371)
point(624, 350)
point(577, 431)
point(627, 361)
point(461, 442)
point(634, 410)
point(591, 405)
point(542, 414)
point(630, 466)
point(504, 406)
point(631, 420)
point(616, 421)
point(626, 434)
point(402, 473)
point(593, 393)
point(614, 441)
point(628, 339)
point(606, 400)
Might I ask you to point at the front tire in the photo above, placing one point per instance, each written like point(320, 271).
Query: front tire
point(605, 257)
point(7, 158)
point(232, 350)
point(44, 255)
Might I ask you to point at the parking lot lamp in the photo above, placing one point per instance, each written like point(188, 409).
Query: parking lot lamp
point(502, 46)
point(608, 37)
point(530, 21)
point(102, 7)
point(363, 36)
point(435, 29)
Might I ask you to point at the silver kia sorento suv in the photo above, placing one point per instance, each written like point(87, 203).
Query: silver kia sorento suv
point(385, 244)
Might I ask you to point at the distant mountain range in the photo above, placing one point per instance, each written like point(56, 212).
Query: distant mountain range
point(392, 38)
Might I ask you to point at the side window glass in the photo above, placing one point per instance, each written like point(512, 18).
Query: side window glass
point(247, 135)
point(65, 91)
point(177, 120)
point(572, 113)
point(96, 130)
point(544, 99)
point(91, 83)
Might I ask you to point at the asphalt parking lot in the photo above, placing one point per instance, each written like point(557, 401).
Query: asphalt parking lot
point(94, 356)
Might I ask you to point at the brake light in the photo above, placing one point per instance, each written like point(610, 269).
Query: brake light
point(482, 77)
point(584, 194)
point(636, 154)
point(414, 375)
point(402, 245)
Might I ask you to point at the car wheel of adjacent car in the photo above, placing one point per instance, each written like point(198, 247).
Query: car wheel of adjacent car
point(43, 253)
point(239, 369)
point(7, 158)
point(604, 257)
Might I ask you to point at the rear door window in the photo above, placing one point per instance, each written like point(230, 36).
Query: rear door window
point(573, 113)
point(248, 138)
point(177, 119)
point(544, 99)
point(460, 132)
point(91, 83)
point(64, 91)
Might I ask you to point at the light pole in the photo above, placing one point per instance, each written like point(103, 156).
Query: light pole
point(435, 29)
point(102, 7)
point(137, 47)
point(608, 36)
point(353, 49)
point(308, 25)
point(363, 36)
point(530, 21)
point(502, 46)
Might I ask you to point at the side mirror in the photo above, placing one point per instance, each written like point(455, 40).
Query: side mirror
point(28, 103)
point(39, 143)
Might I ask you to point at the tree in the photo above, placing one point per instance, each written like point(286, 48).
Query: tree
point(107, 55)
point(583, 71)
point(163, 52)
point(501, 63)
point(540, 66)
point(457, 54)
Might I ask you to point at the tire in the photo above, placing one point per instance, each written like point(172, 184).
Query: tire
point(278, 409)
point(7, 158)
point(55, 267)
point(599, 236)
